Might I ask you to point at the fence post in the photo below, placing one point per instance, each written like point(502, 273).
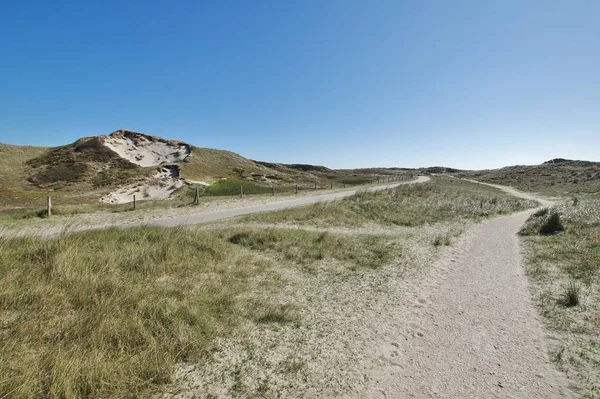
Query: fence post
point(296, 188)
point(241, 191)
point(272, 189)
point(196, 197)
point(134, 202)
point(315, 186)
point(331, 185)
point(49, 206)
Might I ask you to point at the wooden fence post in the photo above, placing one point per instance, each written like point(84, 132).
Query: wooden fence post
point(49, 206)
point(296, 188)
point(196, 197)
point(241, 191)
point(134, 202)
point(315, 186)
point(331, 185)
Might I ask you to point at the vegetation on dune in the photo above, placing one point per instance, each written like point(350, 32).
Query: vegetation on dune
point(109, 313)
point(86, 159)
point(357, 180)
point(555, 177)
point(565, 269)
point(232, 187)
point(305, 247)
point(444, 199)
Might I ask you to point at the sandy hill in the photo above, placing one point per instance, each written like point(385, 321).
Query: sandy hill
point(112, 168)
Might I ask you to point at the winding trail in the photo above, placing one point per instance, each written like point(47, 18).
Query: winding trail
point(477, 333)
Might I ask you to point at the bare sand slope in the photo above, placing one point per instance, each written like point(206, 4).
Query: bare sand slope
point(146, 150)
point(476, 333)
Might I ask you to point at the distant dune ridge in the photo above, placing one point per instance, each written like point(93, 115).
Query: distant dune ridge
point(112, 168)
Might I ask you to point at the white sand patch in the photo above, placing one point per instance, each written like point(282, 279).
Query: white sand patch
point(146, 191)
point(164, 182)
point(145, 150)
point(202, 183)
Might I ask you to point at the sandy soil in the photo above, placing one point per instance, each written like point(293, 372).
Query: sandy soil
point(142, 151)
point(160, 187)
point(476, 333)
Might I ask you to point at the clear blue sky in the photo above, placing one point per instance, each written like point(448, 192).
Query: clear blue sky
point(470, 84)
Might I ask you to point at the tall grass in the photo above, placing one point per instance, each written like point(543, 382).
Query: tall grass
point(306, 247)
point(108, 314)
point(406, 205)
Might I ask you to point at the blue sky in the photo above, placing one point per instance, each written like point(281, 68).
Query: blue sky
point(469, 84)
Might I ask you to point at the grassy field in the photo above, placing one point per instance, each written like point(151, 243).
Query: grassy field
point(116, 313)
point(444, 199)
point(563, 261)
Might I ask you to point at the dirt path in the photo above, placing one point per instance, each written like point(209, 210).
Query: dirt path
point(476, 333)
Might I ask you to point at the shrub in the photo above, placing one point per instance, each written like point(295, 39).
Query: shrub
point(571, 294)
point(552, 224)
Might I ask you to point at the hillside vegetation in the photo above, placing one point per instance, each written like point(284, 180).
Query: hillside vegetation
point(558, 177)
point(108, 168)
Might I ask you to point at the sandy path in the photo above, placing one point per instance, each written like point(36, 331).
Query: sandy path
point(476, 333)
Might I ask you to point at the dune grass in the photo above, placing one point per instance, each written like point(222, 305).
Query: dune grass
point(563, 261)
point(306, 247)
point(112, 313)
point(232, 187)
point(443, 199)
point(109, 313)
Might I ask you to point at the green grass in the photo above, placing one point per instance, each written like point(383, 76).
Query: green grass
point(307, 247)
point(565, 271)
point(232, 187)
point(357, 180)
point(444, 199)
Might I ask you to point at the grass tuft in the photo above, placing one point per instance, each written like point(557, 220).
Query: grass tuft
point(442, 240)
point(552, 224)
point(571, 294)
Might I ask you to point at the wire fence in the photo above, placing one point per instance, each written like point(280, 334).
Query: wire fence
point(242, 188)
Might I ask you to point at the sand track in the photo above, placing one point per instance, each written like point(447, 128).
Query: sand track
point(476, 332)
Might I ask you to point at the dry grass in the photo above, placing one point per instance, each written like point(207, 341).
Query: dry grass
point(552, 178)
point(109, 313)
point(443, 200)
point(565, 270)
point(113, 313)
